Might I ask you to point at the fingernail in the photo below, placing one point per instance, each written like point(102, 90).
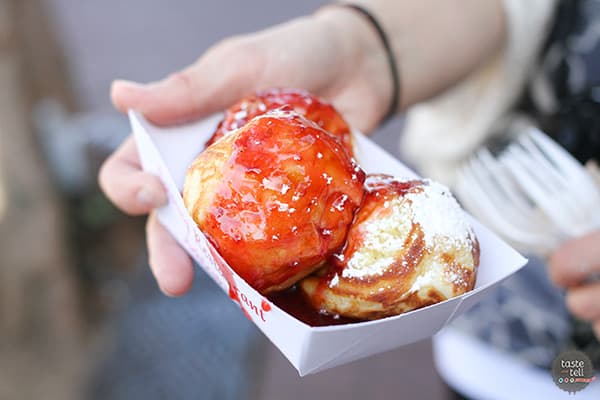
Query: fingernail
point(149, 197)
point(129, 84)
point(166, 292)
point(576, 304)
point(583, 268)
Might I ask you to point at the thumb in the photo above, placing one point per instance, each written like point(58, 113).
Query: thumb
point(224, 74)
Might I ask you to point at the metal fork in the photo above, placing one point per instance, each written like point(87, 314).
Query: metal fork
point(533, 193)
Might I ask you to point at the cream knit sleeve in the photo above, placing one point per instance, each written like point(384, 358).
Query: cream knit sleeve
point(441, 132)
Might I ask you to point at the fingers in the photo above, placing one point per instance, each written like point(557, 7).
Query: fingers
point(571, 265)
point(137, 192)
point(132, 190)
point(170, 101)
point(576, 260)
point(224, 74)
point(584, 301)
point(170, 264)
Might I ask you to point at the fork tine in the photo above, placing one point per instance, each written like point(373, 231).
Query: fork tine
point(555, 152)
point(527, 142)
point(538, 194)
point(520, 202)
point(563, 185)
point(485, 169)
point(581, 184)
point(517, 153)
point(563, 161)
point(478, 200)
point(504, 192)
point(544, 177)
point(540, 164)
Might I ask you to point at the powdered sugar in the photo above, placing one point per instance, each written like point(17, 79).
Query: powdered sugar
point(334, 281)
point(435, 277)
point(428, 278)
point(431, 205)
point(384, 237)
point(439, 214)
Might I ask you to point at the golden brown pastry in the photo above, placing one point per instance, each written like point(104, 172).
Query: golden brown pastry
point(276, 197)
point(311, 107)
point(410, 246)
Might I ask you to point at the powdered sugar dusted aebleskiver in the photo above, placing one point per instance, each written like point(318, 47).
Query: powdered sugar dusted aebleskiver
point(410, 245)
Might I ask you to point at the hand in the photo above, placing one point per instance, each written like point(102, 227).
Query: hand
point(334, 54)
point(570, 266)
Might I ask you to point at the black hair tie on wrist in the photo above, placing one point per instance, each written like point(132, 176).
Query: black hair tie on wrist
point(390, 57)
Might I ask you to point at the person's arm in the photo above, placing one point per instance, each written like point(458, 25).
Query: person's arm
point(435, 43)
point(334, 53)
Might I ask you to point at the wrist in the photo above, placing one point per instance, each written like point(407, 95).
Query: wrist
point(364, 57)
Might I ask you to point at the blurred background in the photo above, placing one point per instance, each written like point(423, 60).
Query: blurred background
point(80, 315)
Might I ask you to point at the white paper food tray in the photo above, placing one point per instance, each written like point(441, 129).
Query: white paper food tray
point(167, 152)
